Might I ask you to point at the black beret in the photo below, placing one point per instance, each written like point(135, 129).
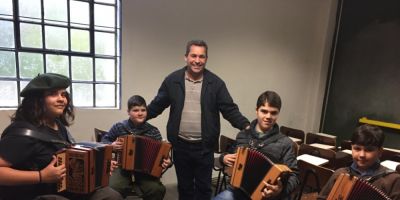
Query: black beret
point(44, 82)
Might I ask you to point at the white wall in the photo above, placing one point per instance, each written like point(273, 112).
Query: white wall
point(256, 45)
point(280, 45)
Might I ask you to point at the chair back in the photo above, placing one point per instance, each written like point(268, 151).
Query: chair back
point(313, 177)
point(318, 152)
point(296, 148)
point(321, 138)
point(390, 154)
point(345, 144)
point(98, 134)
point(294, 133)
point(225, 143)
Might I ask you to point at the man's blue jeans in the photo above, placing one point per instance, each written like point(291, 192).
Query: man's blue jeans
point(193, 166)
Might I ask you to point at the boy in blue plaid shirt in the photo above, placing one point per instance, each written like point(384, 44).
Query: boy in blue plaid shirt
point(121, 180)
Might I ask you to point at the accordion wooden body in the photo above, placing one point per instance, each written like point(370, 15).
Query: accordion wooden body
point(87, 167)
point(251, 168)
point(348, 187)
point(143, 154)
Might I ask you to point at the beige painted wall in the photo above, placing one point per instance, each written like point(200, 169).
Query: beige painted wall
point(256, 45)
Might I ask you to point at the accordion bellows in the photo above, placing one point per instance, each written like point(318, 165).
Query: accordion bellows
point(251, 168)
point(87, 167)
point(143, 154)
point(348, 187)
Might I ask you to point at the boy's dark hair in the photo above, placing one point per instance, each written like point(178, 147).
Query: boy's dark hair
point(368, 135)
point(200, 43)
point(270, 97)
point(136, 100)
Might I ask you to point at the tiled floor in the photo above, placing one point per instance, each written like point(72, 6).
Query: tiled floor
point(171, 194)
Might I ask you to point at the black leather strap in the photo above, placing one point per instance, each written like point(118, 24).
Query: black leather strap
point(38, 135)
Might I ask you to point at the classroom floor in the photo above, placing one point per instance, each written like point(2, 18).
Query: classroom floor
point(172, 192)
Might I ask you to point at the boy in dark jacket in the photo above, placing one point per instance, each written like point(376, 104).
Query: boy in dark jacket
point(366, 148)
point(264, 136)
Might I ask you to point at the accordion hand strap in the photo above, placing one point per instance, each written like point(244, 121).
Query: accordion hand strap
point(38, 135)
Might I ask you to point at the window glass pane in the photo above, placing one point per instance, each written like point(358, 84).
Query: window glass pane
point(7, 34)
point(30, 8)
point(57, 64)
point(83, 94)
point(82, 68)
point(106, 1)
point(104, 43)
point(103, 94)
point(6, 7)
point(7, 64)
point(8, 91)
point(31, 35)
point(79, 12)
point(30, 64)
point(22, 84)
point(100, 19)
point(105, 69)
point(55, 10)
point(56, 38)
point(80, 40)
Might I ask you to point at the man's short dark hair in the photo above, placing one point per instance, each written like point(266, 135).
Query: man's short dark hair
point(270, 97)
point(368, 135)
point(136, 100)
point(200, 43)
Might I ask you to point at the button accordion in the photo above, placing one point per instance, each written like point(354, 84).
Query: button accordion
point(349, 187)
point(143, 154)
point(251, 168)
point(87, 167)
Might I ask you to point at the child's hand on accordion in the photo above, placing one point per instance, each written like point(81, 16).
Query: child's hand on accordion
point(272, 190)
point(166, 163)
point(229, 159)
point(114, 165)
point(52, 173)
point(117, 144)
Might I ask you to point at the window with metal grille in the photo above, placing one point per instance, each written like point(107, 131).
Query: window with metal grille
point(77, 38)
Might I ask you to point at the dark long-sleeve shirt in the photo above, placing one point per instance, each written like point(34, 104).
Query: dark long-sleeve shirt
point(215, 99)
